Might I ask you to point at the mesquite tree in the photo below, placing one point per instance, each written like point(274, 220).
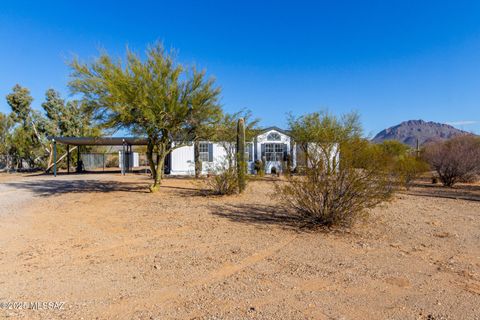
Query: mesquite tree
point(454, 160)
point(150, 97)
point(241, 164)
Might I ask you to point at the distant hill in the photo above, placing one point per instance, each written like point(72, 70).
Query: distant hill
point(409, 131)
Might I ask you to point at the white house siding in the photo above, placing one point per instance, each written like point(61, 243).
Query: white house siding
point(219, 158)
point(182, 159)
point(183, 162)
point(318, 153)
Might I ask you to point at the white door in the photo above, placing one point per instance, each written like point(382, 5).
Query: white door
point(274, 156)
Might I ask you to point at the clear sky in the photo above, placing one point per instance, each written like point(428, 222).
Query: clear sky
point(389, 60)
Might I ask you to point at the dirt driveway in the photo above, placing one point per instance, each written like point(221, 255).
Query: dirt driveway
point(107, 249)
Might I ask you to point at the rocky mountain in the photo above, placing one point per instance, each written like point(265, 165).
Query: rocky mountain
point(409, 131)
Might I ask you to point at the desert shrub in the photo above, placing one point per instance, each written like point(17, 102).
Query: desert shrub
point(259, 167)
point(454, 160)
point(345, 175)
point(223, 180)
point(407, 168)
point(393, 148)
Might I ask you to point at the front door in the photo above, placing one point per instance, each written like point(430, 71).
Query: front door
point(274, 156)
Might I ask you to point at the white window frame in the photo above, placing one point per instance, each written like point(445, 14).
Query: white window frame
point(203, 153)
point(247, 153)
point(274, 136)
point(274, 151)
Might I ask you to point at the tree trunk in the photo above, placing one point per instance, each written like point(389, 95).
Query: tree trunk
point(196, 156)
point(153, 168)
point(163, 149)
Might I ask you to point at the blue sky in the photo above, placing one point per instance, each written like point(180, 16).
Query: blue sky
point(389, 60)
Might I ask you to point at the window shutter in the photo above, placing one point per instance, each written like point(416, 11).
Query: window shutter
point(285, 152)
point(263, 150)
point(210, 152)
point(250, 152)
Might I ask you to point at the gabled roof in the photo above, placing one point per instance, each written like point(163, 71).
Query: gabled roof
point(285, 132)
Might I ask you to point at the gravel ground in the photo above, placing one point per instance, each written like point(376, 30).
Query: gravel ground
point(107, 249)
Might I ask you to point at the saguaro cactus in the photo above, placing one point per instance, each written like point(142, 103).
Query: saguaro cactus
point(241, 164)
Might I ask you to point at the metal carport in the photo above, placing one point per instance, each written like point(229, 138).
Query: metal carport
point(125, 142)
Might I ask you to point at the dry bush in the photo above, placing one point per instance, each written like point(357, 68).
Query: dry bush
point(345, 176)
point(223, 180)
point(454, 160)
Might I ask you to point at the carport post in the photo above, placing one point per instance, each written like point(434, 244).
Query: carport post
point(79, 167)
point(68, 158)
point(54, 157)
point(123, 157)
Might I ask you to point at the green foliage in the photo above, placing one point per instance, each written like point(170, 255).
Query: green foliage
point(241, 163)
point(226, 132)
point(259, 167)
point(5, 127)
point(206, 112)
point(25, 141)
point(394, 148)
point(344, 174)
point(54, 107)
point(155, 98)
point(327, 132)
point(400, 161)
point(407, 168)
point(20, 101)
point(25, 132)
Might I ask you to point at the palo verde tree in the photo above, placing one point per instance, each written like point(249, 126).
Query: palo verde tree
point(205, 113)
point(150, 97)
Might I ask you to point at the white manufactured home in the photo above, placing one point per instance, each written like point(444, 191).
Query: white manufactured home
point(272, 145)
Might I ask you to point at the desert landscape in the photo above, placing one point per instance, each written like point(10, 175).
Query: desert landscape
point(108, 249)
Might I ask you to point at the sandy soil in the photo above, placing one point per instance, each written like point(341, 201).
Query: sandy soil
point(109, 250)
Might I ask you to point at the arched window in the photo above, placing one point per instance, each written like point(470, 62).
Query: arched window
point(274, 136)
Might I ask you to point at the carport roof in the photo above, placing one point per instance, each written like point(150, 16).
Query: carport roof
point(101, 141)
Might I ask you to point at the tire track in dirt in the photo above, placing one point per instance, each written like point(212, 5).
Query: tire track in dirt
point(173, 291)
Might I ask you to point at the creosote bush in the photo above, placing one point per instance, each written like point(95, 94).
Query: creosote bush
point(223, 180)
point(344, 175)
point(402, 162)
point(407, 168)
